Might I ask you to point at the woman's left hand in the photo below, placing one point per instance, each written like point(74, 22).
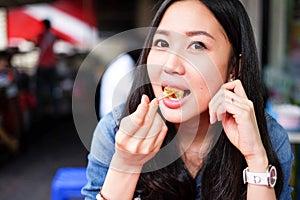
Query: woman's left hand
point(231, 106)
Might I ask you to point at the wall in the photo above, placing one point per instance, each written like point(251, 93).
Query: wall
point(254, 9)
point(3, 37)
point(277, 33)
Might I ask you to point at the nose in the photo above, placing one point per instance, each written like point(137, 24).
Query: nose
point(174, 64)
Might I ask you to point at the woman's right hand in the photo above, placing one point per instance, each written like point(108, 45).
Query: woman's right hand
point(139, 138)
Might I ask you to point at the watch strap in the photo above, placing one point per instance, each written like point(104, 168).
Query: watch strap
point(256, 178)
point(267, 178)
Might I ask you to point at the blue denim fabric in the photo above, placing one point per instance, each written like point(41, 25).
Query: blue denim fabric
point(282, 147)
point(102, 150)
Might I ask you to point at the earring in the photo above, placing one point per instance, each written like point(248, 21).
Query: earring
point(231, 77)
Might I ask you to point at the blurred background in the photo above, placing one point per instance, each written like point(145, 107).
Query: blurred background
point(38, 137)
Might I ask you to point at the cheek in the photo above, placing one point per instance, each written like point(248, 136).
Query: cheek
point(222, 63)
point(153, 66)
point(206, 82)
point(154, 69)
point(155, 57)
point(209, 69)
point(155, 62)
point(223, 71)
point(203, 94)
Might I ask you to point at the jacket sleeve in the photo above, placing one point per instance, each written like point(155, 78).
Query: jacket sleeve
point(102, 150)
point(282, 147)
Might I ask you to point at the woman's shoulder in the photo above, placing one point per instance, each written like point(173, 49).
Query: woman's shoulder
point(279, 139)
point(282, 147)
point(103, 141)
point(108, 124)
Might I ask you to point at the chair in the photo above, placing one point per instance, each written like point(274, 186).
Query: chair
point(67, 183)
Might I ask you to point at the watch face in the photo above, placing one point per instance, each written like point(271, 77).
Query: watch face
point(273, 176)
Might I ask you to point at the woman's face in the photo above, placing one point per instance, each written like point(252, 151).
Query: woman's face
point(189, 53)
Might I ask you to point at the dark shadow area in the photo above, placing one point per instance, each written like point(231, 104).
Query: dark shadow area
point(51, 144)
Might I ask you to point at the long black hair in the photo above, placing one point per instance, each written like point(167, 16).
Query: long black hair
point(222, 171)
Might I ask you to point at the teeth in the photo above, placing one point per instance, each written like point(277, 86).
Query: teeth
point(175, 93)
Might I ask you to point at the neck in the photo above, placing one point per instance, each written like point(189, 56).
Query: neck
point(197, 137)
point(193, 132)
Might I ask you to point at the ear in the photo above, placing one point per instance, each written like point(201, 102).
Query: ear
point(240, 65)
point(234, 69)
point(231, 74)
point(231, 77)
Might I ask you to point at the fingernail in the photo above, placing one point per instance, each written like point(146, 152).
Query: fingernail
point(164, 128)
point(155, 101)
point(143, 100)
point(212, 120)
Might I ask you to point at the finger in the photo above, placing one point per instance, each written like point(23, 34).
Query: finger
point(146, 136)
point(222, 106)
point(126, 142)
point(151, 112)
point(226, 109)
point(212, 113)
point(221, 112)
point(234, 99)
point(213, 104)
point(130, 124)
point(145, 127)
point(237, 87)
point(242, 111)
point(147, 144)
point(227, 90)
point(155, 127)
point(160, 138)
point(221, 96)
point(138, 116)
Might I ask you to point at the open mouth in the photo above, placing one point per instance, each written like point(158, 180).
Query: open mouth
point(175, 93)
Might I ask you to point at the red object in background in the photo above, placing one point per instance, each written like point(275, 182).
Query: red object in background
point(17, 18)
point(72, 20)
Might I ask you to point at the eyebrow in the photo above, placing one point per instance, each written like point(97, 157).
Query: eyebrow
point(189, 33)
point(194, 33)
point(162, 32)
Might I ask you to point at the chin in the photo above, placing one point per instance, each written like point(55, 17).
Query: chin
point(177, 116)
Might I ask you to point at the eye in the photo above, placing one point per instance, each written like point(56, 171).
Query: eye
point(197, 45)
point(161, 43)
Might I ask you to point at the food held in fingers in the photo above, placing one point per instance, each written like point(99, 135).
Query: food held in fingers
point(165, 96)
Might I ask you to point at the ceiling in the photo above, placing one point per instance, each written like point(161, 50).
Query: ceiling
point(16, 3)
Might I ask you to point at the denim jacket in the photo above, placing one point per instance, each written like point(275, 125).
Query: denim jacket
point(102, 150)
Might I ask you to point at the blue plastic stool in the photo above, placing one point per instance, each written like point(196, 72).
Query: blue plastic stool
point(67, 183)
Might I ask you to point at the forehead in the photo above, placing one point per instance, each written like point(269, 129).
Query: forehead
point(190, 15)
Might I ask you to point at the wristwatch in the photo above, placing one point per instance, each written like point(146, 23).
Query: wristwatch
point(267, 178)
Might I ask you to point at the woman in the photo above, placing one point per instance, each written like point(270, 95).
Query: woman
point(181, 103)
